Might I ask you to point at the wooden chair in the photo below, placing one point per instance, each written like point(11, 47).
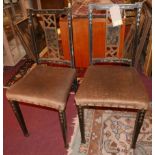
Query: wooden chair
point(46, 86)
point(112, 86)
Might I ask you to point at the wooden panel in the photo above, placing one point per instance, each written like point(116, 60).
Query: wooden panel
point(148, 58)
point(53, 4)
point(121, 45)
point(81, 46)
point(80, 31)
point(50, 4)
point(99, 32)
point(64, 37)
point(80, 36)
point(144, 35)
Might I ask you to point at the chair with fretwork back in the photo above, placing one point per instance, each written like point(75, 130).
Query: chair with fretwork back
point(45, 85)
point(112, 86)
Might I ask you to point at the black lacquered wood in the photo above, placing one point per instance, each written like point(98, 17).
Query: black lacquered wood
point(121, 6)
point(75, 85)
point(136, 37)
point(90, 38)
point(138, 124)
point(70, 29)
point(19, 116)
point(63, 123)
point(81, 123)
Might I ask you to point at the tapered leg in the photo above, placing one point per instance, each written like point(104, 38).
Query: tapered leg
point(137, 127)
point(75, 85)
point(81, 122)
point(19, 116)
point(63, 123)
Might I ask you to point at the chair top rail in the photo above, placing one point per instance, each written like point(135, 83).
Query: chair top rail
point(108, 6)
point(49, 11)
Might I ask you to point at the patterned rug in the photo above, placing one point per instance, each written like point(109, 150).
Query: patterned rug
point(21, 71)
point(109, 133)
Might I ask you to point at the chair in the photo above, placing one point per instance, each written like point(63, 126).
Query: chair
point(112, 86)
point(46, 86)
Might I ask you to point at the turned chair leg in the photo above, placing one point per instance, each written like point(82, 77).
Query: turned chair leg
point(19, 116)
point(81, 122)
point(75, 85)
point(137, 127)
point(63, 123)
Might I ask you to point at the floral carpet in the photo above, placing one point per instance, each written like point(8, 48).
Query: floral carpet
point(109, 133)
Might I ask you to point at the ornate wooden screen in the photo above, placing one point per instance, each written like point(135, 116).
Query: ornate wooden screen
point(50, 28)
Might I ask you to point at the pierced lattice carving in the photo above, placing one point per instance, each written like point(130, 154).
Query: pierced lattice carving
point(112, 37)
point(49, 20)
point(112, 41)
point(52, 39)
point(111, 51)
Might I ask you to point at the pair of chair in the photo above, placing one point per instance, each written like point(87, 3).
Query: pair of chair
point(103, 85)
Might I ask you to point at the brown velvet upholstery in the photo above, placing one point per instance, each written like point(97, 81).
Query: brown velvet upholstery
point(44, 85)
point(112, 86)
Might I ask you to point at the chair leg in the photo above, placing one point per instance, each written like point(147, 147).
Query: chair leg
point(63, 123)
point(75, 85)
point(137, 127)
point(81, 122)
point(19, 116)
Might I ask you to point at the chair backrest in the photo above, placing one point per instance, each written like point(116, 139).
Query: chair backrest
point(49, 19)
point(112, 33)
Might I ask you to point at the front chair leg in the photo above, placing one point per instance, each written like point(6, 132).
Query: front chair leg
point(63, 123)
point(81, 122)
point(137, 127)
point(75, 85)
point(19, 116)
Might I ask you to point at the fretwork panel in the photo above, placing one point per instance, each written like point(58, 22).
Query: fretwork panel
point(51, 33)
point(112, 37)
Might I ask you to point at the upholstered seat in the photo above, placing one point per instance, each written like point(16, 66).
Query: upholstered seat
point(112, 86)
point(44, 85)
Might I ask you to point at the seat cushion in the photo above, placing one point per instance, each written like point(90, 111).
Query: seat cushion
point(45, 86)
point(112, 86)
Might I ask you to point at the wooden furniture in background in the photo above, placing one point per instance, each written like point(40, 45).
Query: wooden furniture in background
point(148, 58)
point(50, 4)
point(143, 36)
point(149, 3)
point(80, 37)
point(13, 49)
